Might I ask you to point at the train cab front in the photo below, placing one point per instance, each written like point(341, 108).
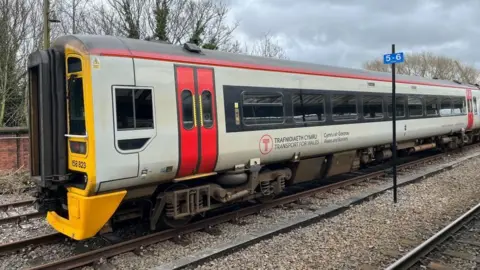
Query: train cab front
point(62, 159)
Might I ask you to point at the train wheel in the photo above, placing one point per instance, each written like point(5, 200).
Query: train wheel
point(167, 215)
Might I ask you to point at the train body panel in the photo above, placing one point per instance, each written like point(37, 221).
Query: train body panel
point(110, 164)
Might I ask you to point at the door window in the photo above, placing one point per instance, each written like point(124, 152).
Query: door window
point(134, 113)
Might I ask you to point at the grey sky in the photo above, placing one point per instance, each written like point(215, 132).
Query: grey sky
point(349, 32)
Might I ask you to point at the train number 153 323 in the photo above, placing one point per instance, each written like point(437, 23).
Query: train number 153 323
point(79, 164)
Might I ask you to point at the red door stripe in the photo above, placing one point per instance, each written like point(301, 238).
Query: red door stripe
point(188, 130)
point(208, 121)
point(469, 109)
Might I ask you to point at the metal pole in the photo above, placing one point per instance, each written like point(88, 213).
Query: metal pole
point(46, 26)
point(394, 131)
point(74, 27)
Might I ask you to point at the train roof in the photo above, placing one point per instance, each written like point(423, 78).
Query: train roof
point(126, 47)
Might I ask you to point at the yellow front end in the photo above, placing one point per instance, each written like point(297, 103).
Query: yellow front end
point(87, 215)
point(87, 212)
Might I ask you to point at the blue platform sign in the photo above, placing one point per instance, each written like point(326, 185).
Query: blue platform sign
point(393, 58)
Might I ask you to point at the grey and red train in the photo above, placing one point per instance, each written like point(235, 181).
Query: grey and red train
point(124, 129)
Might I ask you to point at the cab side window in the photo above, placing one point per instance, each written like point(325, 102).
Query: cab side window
point(134, 108)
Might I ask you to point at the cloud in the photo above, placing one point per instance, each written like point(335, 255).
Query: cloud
point(350, 32)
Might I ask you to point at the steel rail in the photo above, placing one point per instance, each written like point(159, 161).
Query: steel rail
point(412, 257)
point(3, 207)
point(39, 240)
point(18, 218)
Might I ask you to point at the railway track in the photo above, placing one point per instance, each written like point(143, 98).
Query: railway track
point(86, 258)
point(4, 207)
point(13, 215)
point(89, 257)
point(456, 244)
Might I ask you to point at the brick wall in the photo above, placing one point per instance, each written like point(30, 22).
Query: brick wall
point(14, 149)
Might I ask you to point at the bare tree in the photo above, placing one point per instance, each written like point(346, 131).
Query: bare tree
point(129, 17)
point(17, 35)
point(74, 15)
point(426, 64)
point(267, 46)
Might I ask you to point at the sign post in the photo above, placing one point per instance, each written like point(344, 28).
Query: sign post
point(392, 59)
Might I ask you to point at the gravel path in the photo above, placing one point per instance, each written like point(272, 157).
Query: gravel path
point(154, 255)
point(372, 234)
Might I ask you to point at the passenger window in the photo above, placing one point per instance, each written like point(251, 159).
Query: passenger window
point(313, 107)
point(415, 106)
point(399, 106)
point(475, 105)
point(297, 108)
point(134, 108)
point(458, 106)
point(262, 109)
point(344, 107)
point(308, 107)
point(187, 109)
point(446, 107)
point(372, 107)
point(431, 106)
point(207, 109)
point(76, 106)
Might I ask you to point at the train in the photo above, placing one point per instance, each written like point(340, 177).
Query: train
point(124, 129)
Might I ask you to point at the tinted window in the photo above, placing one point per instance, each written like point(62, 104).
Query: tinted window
point(475, 105)
point(308, 107)
point(76, 107)
point(446, 106)
point(415, 106)
point(372, 107)
point(207, 109)
point(431, 105)
point(134, 108)
point(132, 144)
point(143, 108)
point(459, 105)
point(344, 107)
point(187, 109)
point(74, 65)
point(124, 104)
point(261, 109)
point(314, 107)
point(297, 108)
point(399, 106)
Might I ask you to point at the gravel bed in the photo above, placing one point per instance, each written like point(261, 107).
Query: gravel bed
point(26, 229)
point(154, 255)
point(374, 233)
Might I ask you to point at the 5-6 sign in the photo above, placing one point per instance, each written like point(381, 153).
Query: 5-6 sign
point(393, 58)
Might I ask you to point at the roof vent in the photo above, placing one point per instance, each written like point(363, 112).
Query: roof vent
point(455, 81)
point(191, 47)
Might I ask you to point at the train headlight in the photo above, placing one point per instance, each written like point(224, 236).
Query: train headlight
point(78, 147)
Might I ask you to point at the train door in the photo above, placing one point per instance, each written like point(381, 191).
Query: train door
point(469, 109)
point(197, 120)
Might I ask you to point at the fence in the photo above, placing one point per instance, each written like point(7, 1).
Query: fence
point(14, 149)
